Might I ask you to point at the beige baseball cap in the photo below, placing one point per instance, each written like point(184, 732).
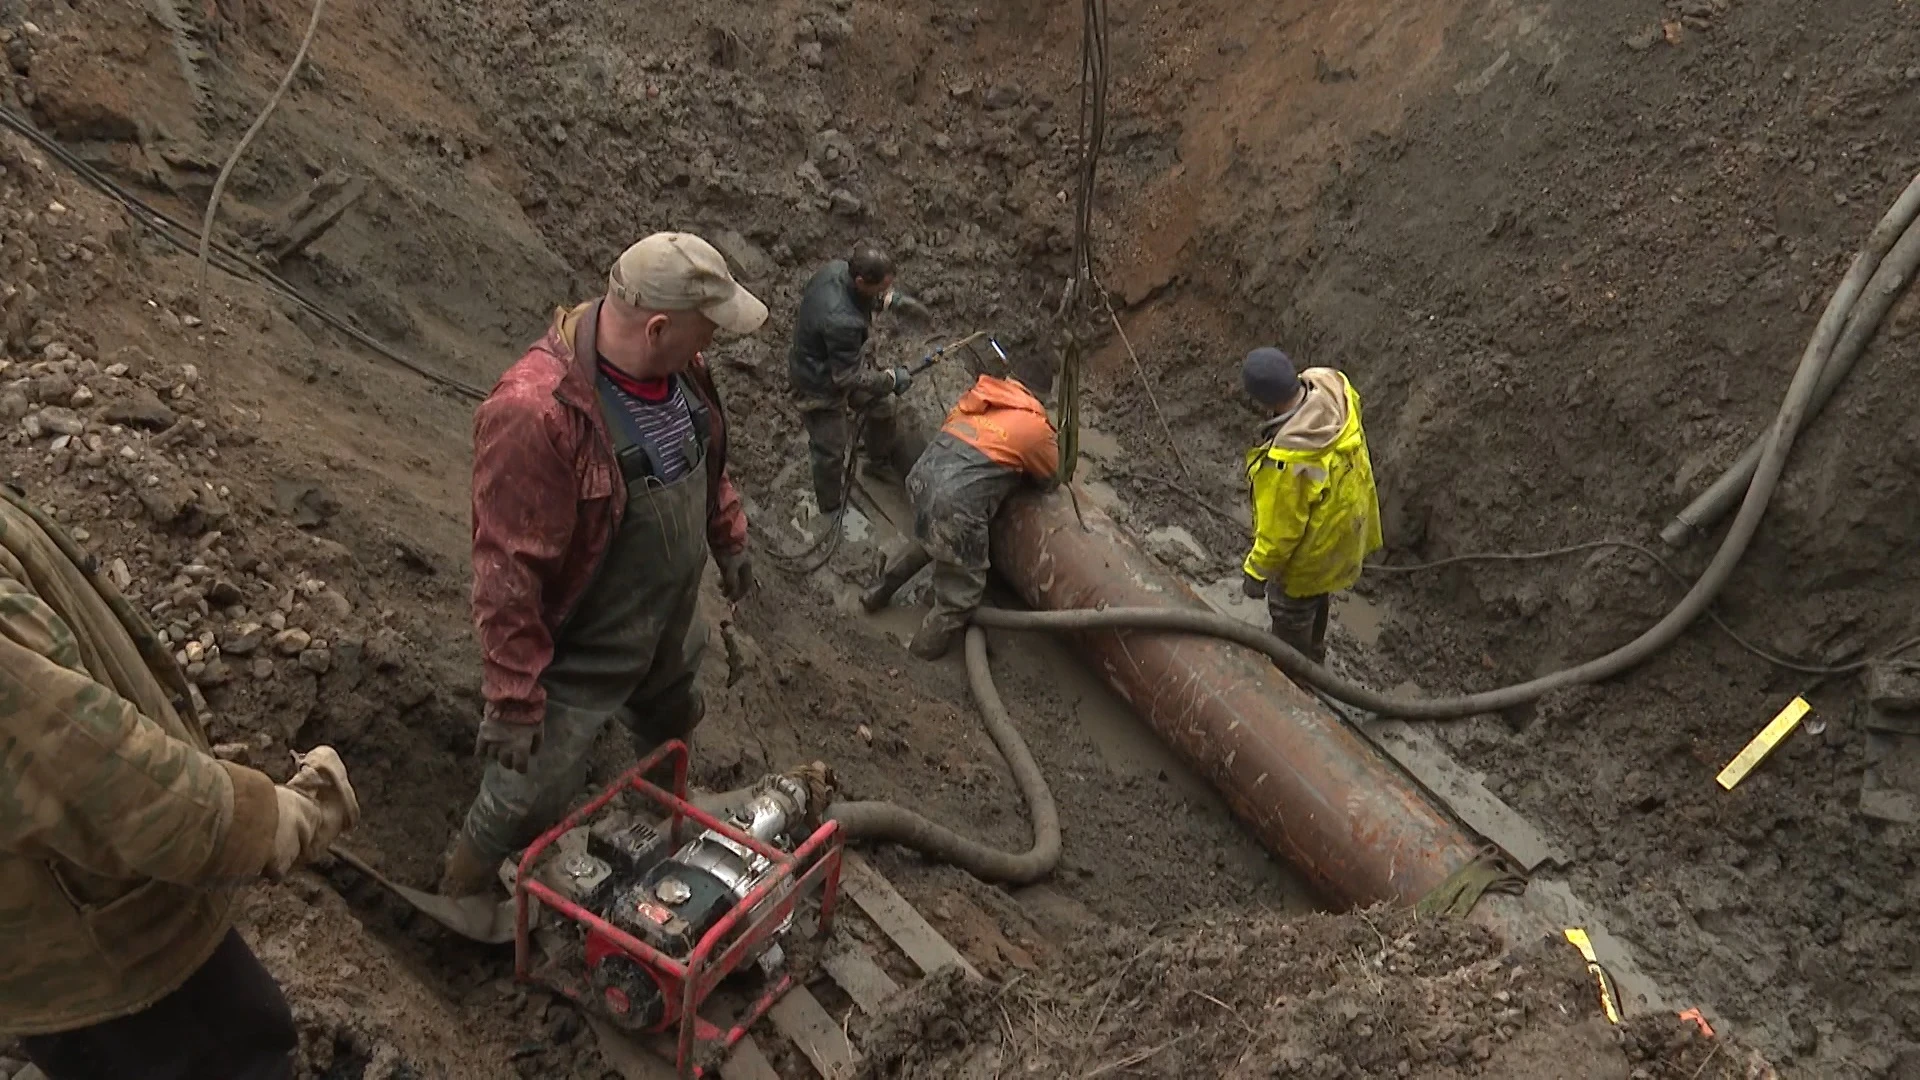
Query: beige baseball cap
point(675, 271)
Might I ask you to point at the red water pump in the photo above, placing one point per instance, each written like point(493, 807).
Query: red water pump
point(646, 902)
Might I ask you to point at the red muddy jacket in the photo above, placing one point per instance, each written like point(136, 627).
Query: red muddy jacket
point(547, 500)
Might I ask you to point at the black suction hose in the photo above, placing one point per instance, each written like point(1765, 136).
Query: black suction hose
point(1706, 510)
point(881, 821)
point(1779, 443)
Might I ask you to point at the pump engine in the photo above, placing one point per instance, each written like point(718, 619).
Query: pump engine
point(668, 898)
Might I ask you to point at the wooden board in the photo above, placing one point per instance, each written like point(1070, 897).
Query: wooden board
point(891, 912)
point(747, 1062)
point(868, 986)
point(799, 1016)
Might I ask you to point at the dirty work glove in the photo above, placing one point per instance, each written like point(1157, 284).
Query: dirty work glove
point(316, 806)
point(736, 575)
point(1252, 587)
point(510, 744)
point(902, 379)
point(905, 305)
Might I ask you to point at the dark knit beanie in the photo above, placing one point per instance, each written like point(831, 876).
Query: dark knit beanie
point(1269, 377)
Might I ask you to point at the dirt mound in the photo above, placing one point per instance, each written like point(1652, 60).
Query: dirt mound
point(1368, 994)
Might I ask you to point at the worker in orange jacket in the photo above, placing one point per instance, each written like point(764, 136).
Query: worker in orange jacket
point(994, 438)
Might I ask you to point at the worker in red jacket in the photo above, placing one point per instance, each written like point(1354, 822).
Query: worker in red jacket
point(599, 486)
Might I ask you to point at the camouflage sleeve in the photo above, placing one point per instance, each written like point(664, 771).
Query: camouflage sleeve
point(85, 778)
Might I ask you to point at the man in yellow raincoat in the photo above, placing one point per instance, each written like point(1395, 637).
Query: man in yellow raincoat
point(1316, 515)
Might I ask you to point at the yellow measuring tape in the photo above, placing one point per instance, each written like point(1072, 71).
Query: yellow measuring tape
point(1763, 743)
point(1579, 939)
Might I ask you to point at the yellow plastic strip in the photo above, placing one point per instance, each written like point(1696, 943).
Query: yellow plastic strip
point(1579, 940)
point(1763, 743)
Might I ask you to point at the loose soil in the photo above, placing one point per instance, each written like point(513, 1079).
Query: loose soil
point(1567, 251)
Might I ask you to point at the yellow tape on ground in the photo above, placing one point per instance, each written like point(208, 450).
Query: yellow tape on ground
point(1579, 940)
point(1763, 743)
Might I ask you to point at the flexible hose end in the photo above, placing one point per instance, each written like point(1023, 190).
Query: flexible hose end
point(1678, 534)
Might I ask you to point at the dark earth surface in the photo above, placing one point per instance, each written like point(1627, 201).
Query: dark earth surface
point(1569, 252)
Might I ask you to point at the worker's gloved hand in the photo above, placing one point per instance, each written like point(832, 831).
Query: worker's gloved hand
point(902, 379)
point(512, 745)
point(906, 305)
point(1252, 587)
point(316, 806)
point(736, 575)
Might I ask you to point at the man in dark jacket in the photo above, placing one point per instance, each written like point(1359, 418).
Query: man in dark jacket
point(599, 487)
point(831, 380)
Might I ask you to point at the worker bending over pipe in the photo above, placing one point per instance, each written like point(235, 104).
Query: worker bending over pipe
point(994, 438)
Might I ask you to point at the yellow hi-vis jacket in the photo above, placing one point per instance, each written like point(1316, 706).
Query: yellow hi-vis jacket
point(1316, 514)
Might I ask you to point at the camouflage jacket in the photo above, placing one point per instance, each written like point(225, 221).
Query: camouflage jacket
point(122, 841)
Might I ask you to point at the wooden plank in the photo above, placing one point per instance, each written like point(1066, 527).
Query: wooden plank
point(891, 912)
point(868, 986)
point(799, 1016)
point(625, 1055)
point(747, 1063)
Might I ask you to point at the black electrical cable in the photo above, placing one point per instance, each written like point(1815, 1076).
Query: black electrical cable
point(234, 262)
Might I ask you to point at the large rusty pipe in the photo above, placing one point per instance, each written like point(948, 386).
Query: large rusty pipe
point(1315, 791)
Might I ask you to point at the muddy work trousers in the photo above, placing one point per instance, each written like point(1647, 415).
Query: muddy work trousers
point(957, 592)
point(631, 650)
point(228, 1020)
point(887, 440)
point(956, 491)
point(1300, 621)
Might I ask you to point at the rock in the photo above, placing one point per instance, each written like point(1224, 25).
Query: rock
point(1894, 686)
point(142, 409)
point(60, 443)
point(13, 406)
point(243, 644)
point(50, 389)
point(82, 397)
point(56, 350)
point(277, 620)
point(1001, 98)
point(833, 154)
point(189, 374)
point(845, 203)
point(331, 603)
point(225, 593)
point(317, 661)
point(62, 421)
point(230, 751)
point(291, 641)
point(32, 427)
point(116, 371)
point(122, 577)
point(1645, 39)
point(309, 504)
point(812, 55)
point(747, 257)
point(263, 668)
point(215, 673)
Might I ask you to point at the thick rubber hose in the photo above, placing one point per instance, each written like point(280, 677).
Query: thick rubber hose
point(893, 824)
point(1889, 281)
point(1779, 443)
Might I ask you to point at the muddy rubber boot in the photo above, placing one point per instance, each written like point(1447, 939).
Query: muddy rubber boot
point(468, 872)
point(932, 644)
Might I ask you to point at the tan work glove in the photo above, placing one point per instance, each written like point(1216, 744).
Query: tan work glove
point(316, 806)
